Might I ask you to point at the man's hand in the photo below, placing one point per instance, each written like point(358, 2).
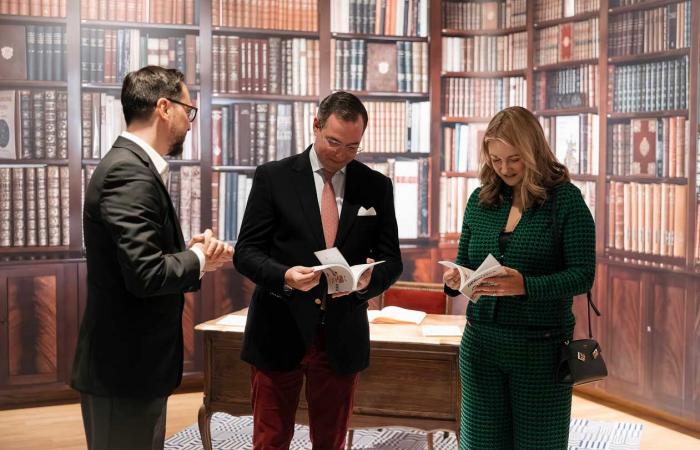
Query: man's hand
point(452, 279)
point(216, 252)
point(362, 283)
point(301, 278)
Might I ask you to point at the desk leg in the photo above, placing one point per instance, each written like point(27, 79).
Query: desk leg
point(204, 419)
point(348, 443)
point(430, 436)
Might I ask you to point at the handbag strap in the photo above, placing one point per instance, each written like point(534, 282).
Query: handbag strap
point(558, 244)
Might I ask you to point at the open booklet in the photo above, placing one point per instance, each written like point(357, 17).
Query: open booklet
point(341, 276)
point(395, 314)
point(469, 279)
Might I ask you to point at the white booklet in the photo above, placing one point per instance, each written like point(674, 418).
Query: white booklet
point(395, 314)
point(341, 277)
point(469, 279)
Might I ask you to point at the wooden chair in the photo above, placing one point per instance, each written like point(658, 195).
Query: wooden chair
point(426, 297)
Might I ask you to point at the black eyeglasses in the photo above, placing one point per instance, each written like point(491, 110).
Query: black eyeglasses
point(191, 110)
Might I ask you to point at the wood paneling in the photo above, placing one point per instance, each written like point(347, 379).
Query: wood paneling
point(625, 353)
point(693, 396)
point(667, 350)
point(32, 336)
point(39, 329)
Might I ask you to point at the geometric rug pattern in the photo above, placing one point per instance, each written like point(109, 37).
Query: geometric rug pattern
point(235, 433)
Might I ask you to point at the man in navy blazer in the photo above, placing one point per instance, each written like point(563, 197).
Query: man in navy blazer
point(320, 198)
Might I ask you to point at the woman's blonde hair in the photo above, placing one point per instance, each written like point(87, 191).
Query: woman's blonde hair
point(518, 127)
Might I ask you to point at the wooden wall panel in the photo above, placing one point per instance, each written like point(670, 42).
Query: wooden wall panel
point(32, 335)
point(693, 407)
point(625, 354)
point(38, 330)
point(667, 351)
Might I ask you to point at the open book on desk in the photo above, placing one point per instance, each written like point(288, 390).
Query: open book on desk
point(340, 276)
point(395, 314)
point(469, 279)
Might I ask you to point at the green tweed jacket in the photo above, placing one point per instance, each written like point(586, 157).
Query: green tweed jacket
point(552, 275)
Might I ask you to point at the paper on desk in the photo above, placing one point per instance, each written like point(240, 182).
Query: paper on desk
point(441, 330)
point(233, 320)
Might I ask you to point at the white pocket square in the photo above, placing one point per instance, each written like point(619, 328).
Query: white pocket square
point(366, 212)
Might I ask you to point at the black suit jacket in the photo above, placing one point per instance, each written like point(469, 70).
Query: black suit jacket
point(282, 228)
point(130, 341)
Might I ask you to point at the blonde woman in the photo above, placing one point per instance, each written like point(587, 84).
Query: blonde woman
point(510, 398)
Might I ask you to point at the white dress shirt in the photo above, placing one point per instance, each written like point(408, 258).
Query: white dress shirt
point(164, 171)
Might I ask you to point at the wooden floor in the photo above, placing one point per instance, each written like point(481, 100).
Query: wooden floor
point(60, 427)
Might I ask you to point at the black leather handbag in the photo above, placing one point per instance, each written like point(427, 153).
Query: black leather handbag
point(581, 360)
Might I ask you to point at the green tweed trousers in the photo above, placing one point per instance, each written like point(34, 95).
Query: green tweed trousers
point(510, 399)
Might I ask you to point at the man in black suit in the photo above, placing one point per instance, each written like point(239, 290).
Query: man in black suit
point(129, 354)
point(318, 199)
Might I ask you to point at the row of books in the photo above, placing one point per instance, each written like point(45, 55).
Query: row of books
point(482, 97)
point(185, 188)
point(34, 124)
point(299, 15)
point(411, 178)
point(575, 141)
point(108, 55)
point(462, 148)
point(557, 9)
point(102, 121)
point(230, 191)
point(36, 8)
point(576, 87)
point(648, 218)
point(386, 17)
point(397, 127)
point(380, 67)
point(618, 3)
point(34, 206)
point(653, 86)
point(651, 30)
point(265, 66)
point(489, 15)
point(484, 53)
point(249, 134)
point(184, 12)
point(454, 194)
point(34, 52)
point(567, 42)
point(649, 147)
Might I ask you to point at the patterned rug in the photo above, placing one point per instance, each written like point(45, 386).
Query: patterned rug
point(234, 433)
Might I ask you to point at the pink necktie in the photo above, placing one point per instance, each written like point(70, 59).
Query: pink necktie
point(329, 209)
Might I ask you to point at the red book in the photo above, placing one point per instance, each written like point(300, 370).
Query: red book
point(565, 42)
point(644, 147)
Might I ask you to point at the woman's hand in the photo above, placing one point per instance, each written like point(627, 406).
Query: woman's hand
point(452, 279)
point(510, 283)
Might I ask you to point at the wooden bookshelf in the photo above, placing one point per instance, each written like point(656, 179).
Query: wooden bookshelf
point(627, 283)
point(562, 20)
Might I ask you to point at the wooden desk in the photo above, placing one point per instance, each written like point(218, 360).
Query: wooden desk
point(412, 380)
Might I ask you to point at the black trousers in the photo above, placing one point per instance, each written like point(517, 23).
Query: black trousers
point(116, 423)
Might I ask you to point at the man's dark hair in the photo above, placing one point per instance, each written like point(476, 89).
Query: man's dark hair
point(142, 88)
point(344, 105)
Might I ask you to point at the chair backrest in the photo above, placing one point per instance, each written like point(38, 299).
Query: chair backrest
point(427, 297)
